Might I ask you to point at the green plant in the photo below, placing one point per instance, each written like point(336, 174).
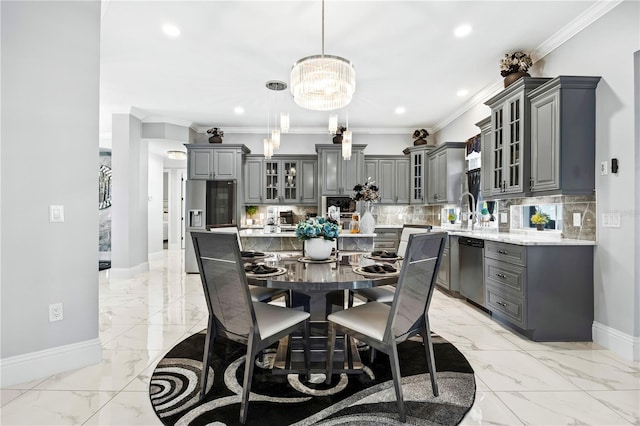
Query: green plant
point(484, 211)
point(251, 210)
point(451, 217)
point(540, 218)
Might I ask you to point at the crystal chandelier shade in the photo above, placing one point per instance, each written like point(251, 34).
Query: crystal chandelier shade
point(323, 82)
point(346, 144)
point(284, 122)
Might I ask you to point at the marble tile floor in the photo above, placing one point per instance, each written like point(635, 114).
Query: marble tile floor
point(518, 381)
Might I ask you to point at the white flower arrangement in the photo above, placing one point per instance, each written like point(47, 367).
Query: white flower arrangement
point(515, 62)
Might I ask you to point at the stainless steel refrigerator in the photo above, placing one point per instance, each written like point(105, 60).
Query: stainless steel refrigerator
point(208, 202)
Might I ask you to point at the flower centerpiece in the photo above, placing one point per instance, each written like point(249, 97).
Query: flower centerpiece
point(420, 136)
point(514, 66)
point(318, 234)
point(337, 138)
point(540, 220)
point(366, 192)
point(216, 135)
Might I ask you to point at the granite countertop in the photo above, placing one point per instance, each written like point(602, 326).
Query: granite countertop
point(519, 238)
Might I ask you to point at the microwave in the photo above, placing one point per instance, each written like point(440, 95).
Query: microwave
point(344, 203)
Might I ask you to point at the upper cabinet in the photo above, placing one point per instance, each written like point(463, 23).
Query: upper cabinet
point(508, 169)
point(280, 180)
point(338, 176)
point(418, 173)
point(445, 168)
point(221, 162)
point(391, 175)
point(563, 136)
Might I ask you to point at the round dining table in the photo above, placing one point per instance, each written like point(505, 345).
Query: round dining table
point(316, 286)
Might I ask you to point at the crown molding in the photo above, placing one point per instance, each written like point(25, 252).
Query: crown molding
point(316, 130)
point(168, 120)
point(579, 23)
point(137, 113)
point(582, 21)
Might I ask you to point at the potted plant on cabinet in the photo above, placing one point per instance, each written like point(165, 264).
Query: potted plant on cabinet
point(420, 137)
point(452, 218)
point(514, 66)
point(250, 211)
point(216, 135)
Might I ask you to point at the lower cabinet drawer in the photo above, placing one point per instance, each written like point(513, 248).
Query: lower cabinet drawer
point(384, 245)
point(505, 276)
point(509, 308)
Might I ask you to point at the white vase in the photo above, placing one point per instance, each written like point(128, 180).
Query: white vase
point(367, 222)
point(318, 248)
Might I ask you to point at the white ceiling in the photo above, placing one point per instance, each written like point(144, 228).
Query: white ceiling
point(404, 52)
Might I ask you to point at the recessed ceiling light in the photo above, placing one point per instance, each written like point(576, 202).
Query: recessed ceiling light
point(238, 110)
point(171, 30)
point(462, 31)
point(400, 110)
point(462, 92)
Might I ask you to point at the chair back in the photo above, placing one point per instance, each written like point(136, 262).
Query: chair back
point(415, 284)
point(224, 282)
point(408, 230)
point(226, 228)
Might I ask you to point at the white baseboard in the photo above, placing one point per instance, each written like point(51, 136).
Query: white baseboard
point(623, 344)
point(34, 365)
point(128, 272)
point(159, 255)
point(174, 246)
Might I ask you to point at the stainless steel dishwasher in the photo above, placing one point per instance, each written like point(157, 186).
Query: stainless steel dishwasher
point(471, 255)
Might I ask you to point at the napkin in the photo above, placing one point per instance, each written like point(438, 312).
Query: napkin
point(251, 254)
point(384, 253)
point(259, 269)
point(379, 269)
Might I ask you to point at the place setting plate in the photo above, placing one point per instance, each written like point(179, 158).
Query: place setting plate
point(276, 271)
point(254, 255)
point(307, 259)
point(367, 271)
point(372, 256)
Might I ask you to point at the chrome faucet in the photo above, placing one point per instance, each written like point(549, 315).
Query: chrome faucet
point(472, 214)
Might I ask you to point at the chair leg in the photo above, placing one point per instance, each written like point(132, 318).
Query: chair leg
point(397, 379)
point(248, 374)
point(431, 359)
point(287, 299)
point(331, 345)
point(307, 348)
point(206, 357)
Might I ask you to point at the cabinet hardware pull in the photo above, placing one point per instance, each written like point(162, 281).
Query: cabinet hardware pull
point(502, 252)
point(503, 276)
point(502, 304)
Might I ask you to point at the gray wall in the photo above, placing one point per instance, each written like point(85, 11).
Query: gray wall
point(50, 102)
point(592, 52)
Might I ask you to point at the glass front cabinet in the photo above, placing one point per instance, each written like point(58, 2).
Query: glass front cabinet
point(509, 163)
point(418, 173)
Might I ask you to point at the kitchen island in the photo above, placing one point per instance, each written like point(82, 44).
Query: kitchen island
point(286, 240)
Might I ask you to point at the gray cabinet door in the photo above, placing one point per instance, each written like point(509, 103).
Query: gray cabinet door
point(352, 172)
point(485, 137)
point(432, 179)
point(331, 165)
point(545, 143)
point(307, 181)
point(442, 182)
point(253, 186)
point(371, 169)
point(200, 164)
point(386, 181)
point(224, 164)
point(290, 181)
point(418, 168)
point(402, 181)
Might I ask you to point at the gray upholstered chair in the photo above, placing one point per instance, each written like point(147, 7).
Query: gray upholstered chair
point(233, 314)
point(384, 294)
point(258, 294)
point(382, 326)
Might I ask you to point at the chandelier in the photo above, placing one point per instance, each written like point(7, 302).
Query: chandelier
point(323, 82)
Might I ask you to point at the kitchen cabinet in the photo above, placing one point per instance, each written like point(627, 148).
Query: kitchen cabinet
point(215, 163)
point(338, 176)
point(509, 165)
point(280, 180)
point(563, 142)
point(445, 169)
point(418, 173)
point(391, 174)
point(387, 238)
point(546, 292)
point(485, 156)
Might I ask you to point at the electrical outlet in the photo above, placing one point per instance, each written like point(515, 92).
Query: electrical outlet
point(55, 312)
point(603, 168)
point(577, 219)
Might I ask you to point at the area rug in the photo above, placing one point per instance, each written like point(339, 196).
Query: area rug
point(361, 399)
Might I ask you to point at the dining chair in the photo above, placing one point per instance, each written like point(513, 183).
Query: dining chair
point(382, 326)
point(233, 314)
point(258, 294)
point(384, 294)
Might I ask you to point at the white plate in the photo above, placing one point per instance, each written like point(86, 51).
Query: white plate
point(280, 271)
point(307, 259)
point(384, 259)
point(360, 271)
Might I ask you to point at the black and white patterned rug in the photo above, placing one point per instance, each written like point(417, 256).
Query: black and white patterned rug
point(362, 399)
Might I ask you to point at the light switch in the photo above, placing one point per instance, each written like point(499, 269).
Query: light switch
point(611, 220)
point(604, 169)
point(576, 219)
point(503, 218)
point(56, 214)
